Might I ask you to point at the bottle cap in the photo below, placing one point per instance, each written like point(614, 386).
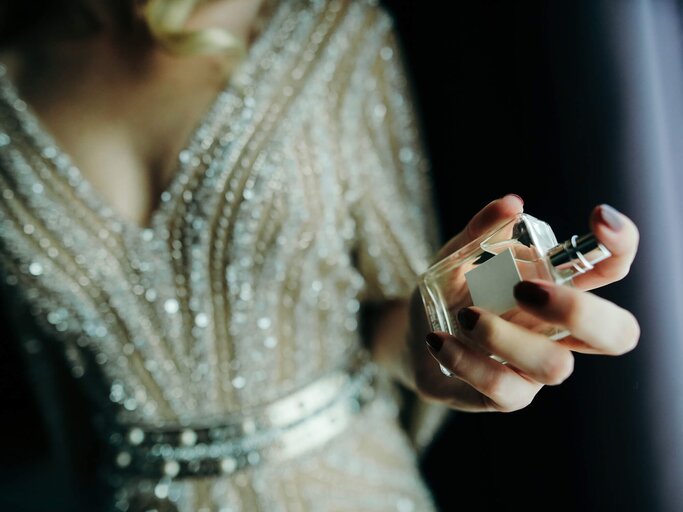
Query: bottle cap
point(577, 255)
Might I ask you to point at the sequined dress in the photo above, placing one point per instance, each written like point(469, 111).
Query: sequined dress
point(301, 195)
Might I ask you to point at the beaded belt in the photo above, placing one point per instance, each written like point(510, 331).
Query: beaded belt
point(285, 428)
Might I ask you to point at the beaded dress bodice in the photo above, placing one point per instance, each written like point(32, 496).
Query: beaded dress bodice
point(301, 194)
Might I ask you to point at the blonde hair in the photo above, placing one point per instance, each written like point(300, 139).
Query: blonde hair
point(166, 20)
point(28, 21)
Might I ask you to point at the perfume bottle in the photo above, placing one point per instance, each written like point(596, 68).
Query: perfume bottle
point(484, 272)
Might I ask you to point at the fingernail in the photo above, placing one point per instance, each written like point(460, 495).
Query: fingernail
point(610, 217)
point(531, 293)
point(434, 341)
point(517, 196)
point(467, 318)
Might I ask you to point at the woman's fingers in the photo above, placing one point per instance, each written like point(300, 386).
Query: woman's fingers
point(534, 354)
point(498, 387)
point(597, 326)
point(492, 215)
point(602, 326)
point(620, 235)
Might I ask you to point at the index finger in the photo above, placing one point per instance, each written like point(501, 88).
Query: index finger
point(620, 235)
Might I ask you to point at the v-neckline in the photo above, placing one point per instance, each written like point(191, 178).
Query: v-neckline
point(72, 176)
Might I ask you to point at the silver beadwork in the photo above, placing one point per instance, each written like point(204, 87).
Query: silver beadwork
point(301, 194)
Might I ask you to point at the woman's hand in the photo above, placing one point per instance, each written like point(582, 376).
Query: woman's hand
point(481, 383)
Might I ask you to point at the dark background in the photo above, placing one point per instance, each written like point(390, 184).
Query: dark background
point(526, 97)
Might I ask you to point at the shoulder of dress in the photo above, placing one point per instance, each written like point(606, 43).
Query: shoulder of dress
point(373, 8)
point(380, 11)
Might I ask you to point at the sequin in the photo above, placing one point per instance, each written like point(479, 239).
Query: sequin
point(188, 437)
point(171, 306)
point(123, 459)
point(228, 465)
point(171, 468)
point(386, 53)
point(201, 320)
point(35, 269)
point(161, 490)
point(302, 194)
point(136, 436)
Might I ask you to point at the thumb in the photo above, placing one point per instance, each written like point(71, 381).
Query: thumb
point(490, 216)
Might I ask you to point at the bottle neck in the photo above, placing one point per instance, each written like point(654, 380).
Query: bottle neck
point(577, 255)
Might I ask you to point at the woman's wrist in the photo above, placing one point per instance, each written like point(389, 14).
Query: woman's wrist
point(389, 339)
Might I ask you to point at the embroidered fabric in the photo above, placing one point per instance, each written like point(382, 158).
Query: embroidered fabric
point(302, 193)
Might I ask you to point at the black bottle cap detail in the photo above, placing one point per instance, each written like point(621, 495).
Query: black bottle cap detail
point(484, 257)
point(574, 249)
point(520, 232)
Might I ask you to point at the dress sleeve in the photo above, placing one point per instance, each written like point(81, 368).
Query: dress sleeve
point(396, 225)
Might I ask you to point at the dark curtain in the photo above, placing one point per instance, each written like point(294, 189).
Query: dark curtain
point(569, 104)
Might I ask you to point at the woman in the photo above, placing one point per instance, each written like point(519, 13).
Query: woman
point(201, 270)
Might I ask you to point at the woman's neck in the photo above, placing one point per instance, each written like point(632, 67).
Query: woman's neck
point(102, 97)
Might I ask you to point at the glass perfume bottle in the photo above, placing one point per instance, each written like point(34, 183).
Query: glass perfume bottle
point(484, 272)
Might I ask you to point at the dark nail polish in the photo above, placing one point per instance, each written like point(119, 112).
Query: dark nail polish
point(531, 294)
point(467, 318)
point(610, 217)
point(434, 341)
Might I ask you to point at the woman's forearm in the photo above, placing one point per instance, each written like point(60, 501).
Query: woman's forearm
point(396, 325)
